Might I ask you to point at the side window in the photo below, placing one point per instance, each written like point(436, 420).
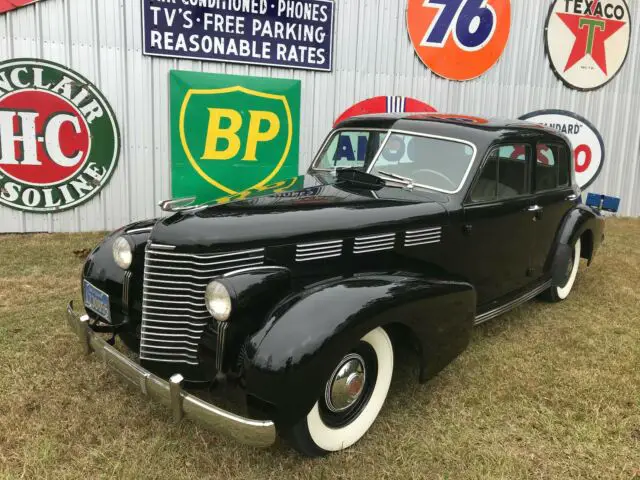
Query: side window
point(504, 174)
point(553, 168)
point(564, 165)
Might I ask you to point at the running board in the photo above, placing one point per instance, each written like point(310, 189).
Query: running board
point(512, 304)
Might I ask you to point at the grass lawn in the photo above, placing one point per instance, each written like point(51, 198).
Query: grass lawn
point(546, 391)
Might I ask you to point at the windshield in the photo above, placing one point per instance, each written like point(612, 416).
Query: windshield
point(350, 149)
point(437, 163)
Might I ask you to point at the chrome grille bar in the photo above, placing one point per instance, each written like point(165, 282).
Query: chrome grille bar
point(174, 315)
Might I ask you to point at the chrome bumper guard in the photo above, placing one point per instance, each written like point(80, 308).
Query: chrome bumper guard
point(182, 404)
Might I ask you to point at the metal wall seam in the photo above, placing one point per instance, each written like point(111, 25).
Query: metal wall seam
point(102, 40)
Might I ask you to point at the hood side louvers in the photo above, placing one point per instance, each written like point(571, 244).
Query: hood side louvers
point(374, 243)
point(306, 252)
point(425, 236)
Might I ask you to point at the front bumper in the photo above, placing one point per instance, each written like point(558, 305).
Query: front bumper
point(259, 433)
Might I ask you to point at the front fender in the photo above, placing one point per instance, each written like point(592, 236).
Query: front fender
point(290, 358)
point(579, 220)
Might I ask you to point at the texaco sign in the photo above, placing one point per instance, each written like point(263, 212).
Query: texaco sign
point(588, 41)
point(586, 141)
point(59, 140)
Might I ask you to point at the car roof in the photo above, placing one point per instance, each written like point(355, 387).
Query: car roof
point(440, 123)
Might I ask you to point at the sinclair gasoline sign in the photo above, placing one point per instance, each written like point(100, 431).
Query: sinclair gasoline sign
point(59, 140)
point(278, 33)
point(588, 41)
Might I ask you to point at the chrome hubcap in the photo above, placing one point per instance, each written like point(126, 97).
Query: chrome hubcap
point(346, 383)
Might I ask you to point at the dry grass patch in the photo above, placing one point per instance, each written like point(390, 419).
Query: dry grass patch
point(546, 391)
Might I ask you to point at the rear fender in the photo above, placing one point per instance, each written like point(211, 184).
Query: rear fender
point(578, 221)
point(291, 357)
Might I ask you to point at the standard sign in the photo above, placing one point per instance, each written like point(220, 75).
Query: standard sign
point(587, 143)
point(232, 133)
point(279, 33)
point(59, 140)
point(588, 41)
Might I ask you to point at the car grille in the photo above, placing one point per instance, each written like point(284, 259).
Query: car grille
point(174, 314)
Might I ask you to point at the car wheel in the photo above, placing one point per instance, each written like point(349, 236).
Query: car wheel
point(351, 400)
point(559, 293)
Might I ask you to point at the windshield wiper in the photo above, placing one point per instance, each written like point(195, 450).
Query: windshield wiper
point(398, 178)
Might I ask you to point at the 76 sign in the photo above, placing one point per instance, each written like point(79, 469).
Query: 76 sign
point(471, 22)
point(459, 39)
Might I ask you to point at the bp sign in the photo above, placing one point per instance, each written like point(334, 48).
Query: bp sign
point(232, 133)
point(59, 140)
point(587, 143)
point(588, 41)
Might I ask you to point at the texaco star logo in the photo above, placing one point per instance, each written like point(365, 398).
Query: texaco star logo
point(588, 40)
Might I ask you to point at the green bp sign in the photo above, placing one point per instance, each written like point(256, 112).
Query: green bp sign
point(59, 139)
point(232, 133)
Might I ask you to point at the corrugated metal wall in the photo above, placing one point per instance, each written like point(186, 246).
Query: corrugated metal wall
point(102, 40)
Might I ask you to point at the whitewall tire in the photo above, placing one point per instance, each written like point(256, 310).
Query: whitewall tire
point(352, 398)
point(559, 293)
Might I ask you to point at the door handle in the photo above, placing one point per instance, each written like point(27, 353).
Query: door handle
point(572, 197)
point(534, 208)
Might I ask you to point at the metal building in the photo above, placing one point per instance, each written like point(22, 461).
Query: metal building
point(102, 40)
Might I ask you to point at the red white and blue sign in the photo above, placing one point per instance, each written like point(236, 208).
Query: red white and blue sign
point(385, 104)
point(276, 33)
point(6, 5)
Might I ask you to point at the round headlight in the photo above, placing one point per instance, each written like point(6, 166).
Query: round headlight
point(122, 253)
point(218, 301)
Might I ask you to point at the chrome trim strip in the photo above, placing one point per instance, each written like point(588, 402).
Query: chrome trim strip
point(424, 235)
point(512, 304)
point(369, 250)
point(139, 230)
point(252, 269)
point(318, 249)
point(317, 244)
point(375, 237)
point(374, 244)
point(162, 347)
point(176, 289)
point(125, 288)
point(318, 258)
point(206, 257)
point(222, 331)
point(164, 340)
point(185, 309)
point(172, 302)
point(180, 322)
point(422, 239)
point(179, 329)
point(306, 256)
point(160, 246)
point(221, 262)
point(424, 230)
point(168, 360)
point(421, 242)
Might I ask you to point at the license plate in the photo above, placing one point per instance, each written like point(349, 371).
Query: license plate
point(97, 301)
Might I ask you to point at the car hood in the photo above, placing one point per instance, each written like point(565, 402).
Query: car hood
point(318, 210)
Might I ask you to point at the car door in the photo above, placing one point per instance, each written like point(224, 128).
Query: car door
point(554, 196)
point(499, 223)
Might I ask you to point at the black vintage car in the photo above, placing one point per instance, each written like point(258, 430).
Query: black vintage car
point(406, 227)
